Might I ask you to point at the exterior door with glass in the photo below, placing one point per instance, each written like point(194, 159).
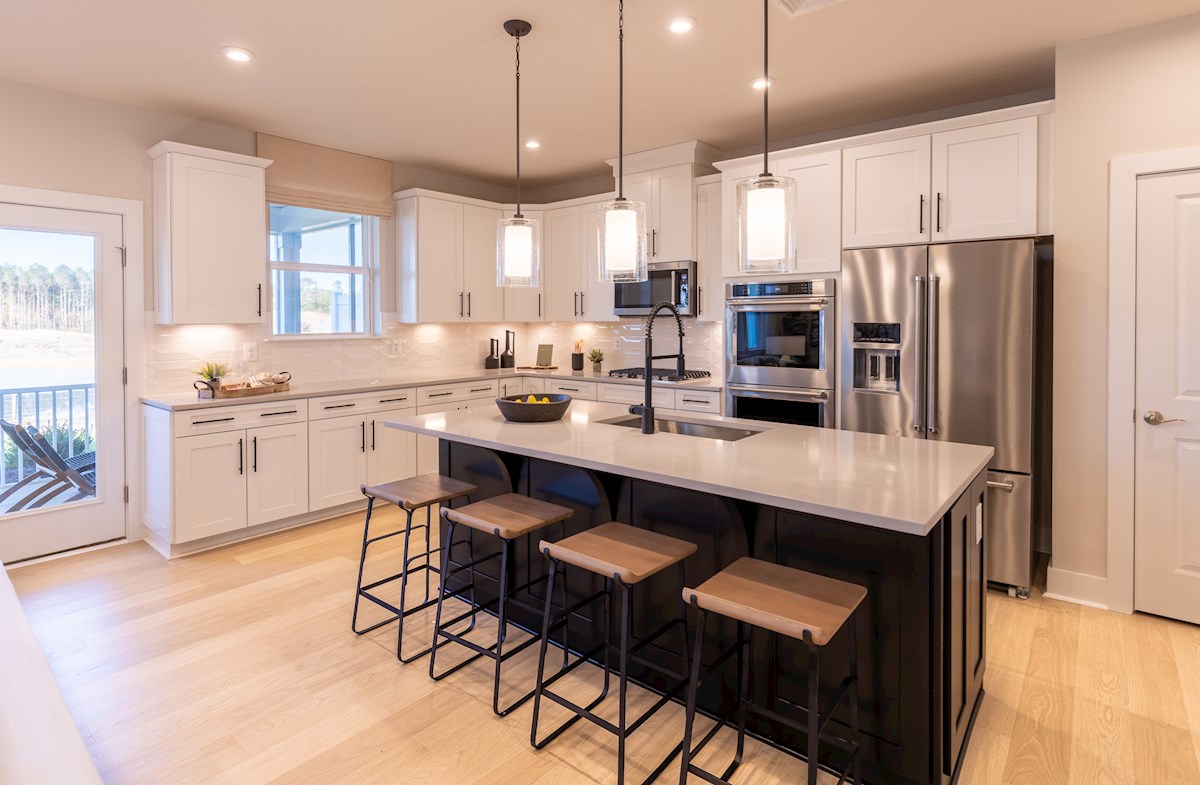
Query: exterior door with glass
point(61, 389)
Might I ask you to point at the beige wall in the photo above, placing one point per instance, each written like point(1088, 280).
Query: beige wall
point(1131, 92)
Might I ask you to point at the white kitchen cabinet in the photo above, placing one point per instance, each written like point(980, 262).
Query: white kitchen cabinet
point(630, 394)
point(427, 446)
point(277, 479)
point(985, 181)
point(708, 401)
point(485, 300)
point(668, 193)
point(710, 294)
point(391, 453)
point(574, 291)
point(584, 391)
point(210, 235)
point(429, 235)
point(525, 303)
point(532, 384)
point(210, 484)
point(972, 183)
point(337, 460)
point(886, 193)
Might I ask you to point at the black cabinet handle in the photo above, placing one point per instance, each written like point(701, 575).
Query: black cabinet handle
point(699, 299)
point(208, 422)
point(576, 296)
point(341, 406)
point(260, 299)
point(440, 395)
point(582, 305)
point(539, 305)
point(654, 242)
point(921, 216)
point(939, 212)
point(468, 305)
point(480, 389)
point(363, 424)
point(694, 400)
point(460, 304)
point(254, 450)
point(276, 414)
point(372, 436)
point(393, 400)
point(241, 456)
point(570, 389)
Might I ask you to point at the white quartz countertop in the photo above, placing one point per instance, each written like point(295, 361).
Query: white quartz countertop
point(184, 400)
point(887, 482)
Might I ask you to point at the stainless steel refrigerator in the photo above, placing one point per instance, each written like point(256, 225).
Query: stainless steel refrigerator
point(952, 342)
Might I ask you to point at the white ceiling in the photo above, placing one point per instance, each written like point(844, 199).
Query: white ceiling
point(430, 83)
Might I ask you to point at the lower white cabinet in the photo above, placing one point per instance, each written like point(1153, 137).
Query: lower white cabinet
point(584, 391)
point(532, 384)
point(350, 451)
point(427, 446)
point(231, 480)
point(635, 394)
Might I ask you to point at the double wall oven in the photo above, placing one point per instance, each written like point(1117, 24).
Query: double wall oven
point(780, 358)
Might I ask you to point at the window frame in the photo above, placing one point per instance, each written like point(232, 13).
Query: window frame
point(368, 269)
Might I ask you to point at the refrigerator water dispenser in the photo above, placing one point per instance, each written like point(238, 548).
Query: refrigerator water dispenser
point(877, 370)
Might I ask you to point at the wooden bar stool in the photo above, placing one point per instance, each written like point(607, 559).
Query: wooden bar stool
point(625, 556)
point(507, 517)
point(410, 495)
point(786, 601)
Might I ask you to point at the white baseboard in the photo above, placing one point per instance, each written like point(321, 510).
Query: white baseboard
point(1077, 587)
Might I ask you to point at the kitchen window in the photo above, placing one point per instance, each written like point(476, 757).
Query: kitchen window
point(323, 268)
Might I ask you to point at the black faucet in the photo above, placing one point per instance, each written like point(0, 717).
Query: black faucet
point(647, 408)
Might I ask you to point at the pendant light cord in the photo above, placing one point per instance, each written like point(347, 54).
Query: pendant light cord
point(766, 172)
point(621, 100)
point(518, 215)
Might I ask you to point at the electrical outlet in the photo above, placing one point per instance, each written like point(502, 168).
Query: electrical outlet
point(250, 352)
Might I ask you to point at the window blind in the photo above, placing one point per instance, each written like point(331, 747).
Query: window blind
point(308, 175)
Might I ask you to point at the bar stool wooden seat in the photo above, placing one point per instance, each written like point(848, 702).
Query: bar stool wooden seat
point(801, 605)
point(625, 556)
point(410, 495)
point(507, 517)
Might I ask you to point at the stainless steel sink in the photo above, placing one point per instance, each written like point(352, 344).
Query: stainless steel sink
point(684, 427)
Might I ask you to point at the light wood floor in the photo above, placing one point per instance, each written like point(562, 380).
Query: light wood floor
point(238, 666)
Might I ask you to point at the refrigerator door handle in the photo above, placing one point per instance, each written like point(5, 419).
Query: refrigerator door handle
point(919, 348)
point(931, 333)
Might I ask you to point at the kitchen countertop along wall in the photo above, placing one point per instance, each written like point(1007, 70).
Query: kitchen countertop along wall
point(183, 401)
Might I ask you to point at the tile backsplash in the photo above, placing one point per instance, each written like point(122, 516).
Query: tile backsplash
point(173, 352)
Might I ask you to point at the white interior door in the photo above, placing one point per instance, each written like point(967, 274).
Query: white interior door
point(62, 453)
point(1167, 462)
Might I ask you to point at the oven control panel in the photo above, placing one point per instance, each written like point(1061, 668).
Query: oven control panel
point(821, 288)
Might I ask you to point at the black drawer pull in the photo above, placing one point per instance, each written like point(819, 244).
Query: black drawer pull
point(208, 422)
point(481, 389)
point(276, 414)
point(572, 389)
point(393, 400)
point(694, 400)
point(440, 395)
point(341, 406)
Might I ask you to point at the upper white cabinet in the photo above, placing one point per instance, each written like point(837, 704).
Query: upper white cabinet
point(710, 297)
point(665, 180)
point(886, 193)
point(210, 235)
point(446, 260)
point(970, 183)
point(818, 215)
point(525, 303)
point(570, 266)
point(985, 181)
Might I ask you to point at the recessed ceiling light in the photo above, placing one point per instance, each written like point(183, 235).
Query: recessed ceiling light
point(681, 24)
point(759, 83)
point(238, 54)
point(533, 144)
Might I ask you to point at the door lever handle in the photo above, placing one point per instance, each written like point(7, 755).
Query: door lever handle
point(1155, 418)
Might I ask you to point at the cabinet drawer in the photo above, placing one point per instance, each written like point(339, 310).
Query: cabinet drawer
point(631, 394)
point(231, 418)
point(452, 393)
point(698, 401)
point(584, 391)
point(361, 403)
point(533, 384)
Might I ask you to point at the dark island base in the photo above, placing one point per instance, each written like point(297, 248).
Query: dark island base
point(920, 631)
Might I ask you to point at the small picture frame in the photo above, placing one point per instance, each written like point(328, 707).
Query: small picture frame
point(545, 354)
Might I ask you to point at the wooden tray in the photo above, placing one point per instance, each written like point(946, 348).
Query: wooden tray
point(242, 392)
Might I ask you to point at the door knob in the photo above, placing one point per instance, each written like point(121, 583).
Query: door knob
point(1155, 418)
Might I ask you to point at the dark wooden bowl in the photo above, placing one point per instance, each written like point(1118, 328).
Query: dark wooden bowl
point(534, 412)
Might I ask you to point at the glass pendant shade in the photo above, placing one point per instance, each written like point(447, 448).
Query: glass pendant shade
point(518, 252)
point(621, 233)
point(766, 236)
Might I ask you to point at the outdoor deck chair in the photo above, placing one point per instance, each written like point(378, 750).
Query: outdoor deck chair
point(60, 475)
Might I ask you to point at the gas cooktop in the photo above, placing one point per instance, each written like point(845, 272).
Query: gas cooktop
point(658, 374)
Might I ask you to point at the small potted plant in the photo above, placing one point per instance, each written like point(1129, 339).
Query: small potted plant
point(210, 374)
point(596, 356)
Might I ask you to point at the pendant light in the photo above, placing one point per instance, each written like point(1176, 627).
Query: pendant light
point(765, 205)
point(518, 239)
point(621, 230)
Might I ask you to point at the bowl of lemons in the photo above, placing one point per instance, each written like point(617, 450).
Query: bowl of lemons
point(534, 407)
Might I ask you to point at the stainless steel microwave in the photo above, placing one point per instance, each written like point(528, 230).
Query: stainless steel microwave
point(672, 282)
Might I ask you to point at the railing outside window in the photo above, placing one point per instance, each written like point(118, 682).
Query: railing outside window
point(65, 414)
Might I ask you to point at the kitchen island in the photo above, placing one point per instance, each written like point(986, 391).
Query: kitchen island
point(902, 517)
